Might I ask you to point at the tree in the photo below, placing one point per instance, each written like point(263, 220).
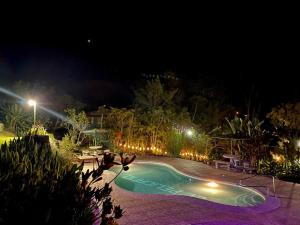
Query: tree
point(207, 102)
point(76, 123)
point(157, 113)
point(154, 95)
point(286, 119)
point(247, 136)
point(208, 113)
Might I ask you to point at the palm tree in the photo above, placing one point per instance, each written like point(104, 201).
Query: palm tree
point(248, 136)
point(16, 118)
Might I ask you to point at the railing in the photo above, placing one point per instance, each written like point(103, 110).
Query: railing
point(268, 189)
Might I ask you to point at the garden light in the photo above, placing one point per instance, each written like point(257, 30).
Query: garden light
point(189, 132)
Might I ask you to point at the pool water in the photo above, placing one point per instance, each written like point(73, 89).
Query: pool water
point(150, 178)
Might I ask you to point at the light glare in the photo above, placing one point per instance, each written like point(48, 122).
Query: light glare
point(212, 184)
point(31, 102)
point(189, 132)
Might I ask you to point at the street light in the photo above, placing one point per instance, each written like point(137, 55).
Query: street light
point(33, 103)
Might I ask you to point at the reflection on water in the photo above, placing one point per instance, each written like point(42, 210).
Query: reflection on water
point(159, 179)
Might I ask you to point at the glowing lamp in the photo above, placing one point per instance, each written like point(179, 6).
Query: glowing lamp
point(212, 184)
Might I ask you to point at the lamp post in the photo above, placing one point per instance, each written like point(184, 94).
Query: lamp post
point(33, 103)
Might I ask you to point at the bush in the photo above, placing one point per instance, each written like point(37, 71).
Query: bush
point(67, 143)
point(216, 153)
point(41, 131)
point(6, 137)
point(1, 126)
point(286, 170)
point(39, 187)
point(202, 143)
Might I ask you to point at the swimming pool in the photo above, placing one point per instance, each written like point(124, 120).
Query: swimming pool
point(152, 178)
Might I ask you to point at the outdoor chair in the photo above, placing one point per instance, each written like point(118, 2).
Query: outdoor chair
point(237, 164)
point(248, 168)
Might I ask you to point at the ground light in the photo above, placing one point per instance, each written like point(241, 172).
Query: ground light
point(212, 184)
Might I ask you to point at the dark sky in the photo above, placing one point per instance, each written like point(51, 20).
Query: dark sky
point(242, 51)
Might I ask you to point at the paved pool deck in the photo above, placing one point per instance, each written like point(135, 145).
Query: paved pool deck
point(145, 209)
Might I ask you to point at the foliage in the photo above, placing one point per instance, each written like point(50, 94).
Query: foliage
point(286, 116)
point(246, 137)
point(39, 187)
point(67, 145)
point(207, 102)
point(6, 137)
point(121, 120)
point(202, 143)
point(76, 123)
point(175, 142)
point(216, 153)
point(208, 112)
point(1, 126)
point(39, 130)
point(244, 128)
point(284, 170)
point(154, 95)
point(157, 115)
point(16, 119)
point(149, 123)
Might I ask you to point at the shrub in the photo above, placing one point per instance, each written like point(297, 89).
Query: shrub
point(40, 130)
point(6, 137)
point(39, 187)
point(285, 170)
point(1, 126)
point(67, 143)
point(202, 143)
point(216, 153)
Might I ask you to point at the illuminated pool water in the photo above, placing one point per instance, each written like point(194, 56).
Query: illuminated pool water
point(150, 178)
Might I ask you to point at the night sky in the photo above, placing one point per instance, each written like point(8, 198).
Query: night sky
point(99, 60)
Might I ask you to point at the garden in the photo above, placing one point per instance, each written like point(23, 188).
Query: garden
point(45, 182)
